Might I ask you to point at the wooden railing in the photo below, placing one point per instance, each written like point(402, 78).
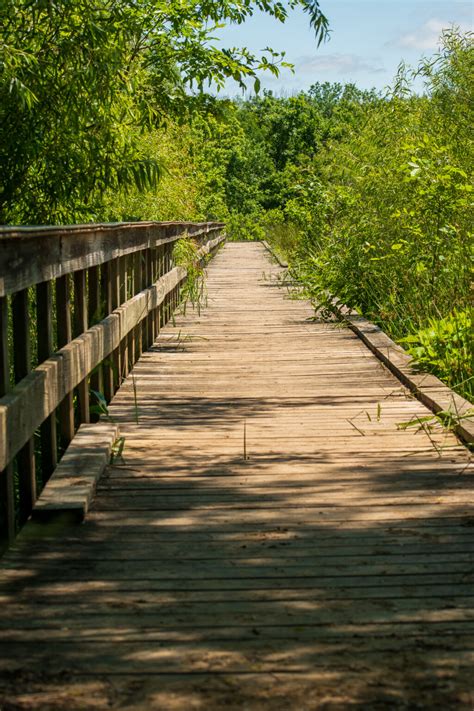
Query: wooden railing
point(78, 305)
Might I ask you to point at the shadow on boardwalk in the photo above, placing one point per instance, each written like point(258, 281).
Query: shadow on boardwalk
point(331, 569)
point(199, 591)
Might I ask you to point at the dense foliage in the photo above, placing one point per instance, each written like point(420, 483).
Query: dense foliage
point(80, 81)
point(368, 196)
point(394, 217)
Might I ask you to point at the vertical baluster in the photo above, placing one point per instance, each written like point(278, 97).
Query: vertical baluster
point(106, 295)
point(143, 279)
point(156, 276)
point(48, 434)
point(149, 282)
point(162, 273)
point(115, 296)
point(131, 293)
point(80, 325)
point(63, 316)
point(22, 366)
point(94, 316)
point(154, 279)
point(138, 288)
point(123, 276)
point(168, 269)
point(7, 491)
point(164, 307)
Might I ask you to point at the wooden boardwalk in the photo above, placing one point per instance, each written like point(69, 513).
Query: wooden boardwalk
point(272, 540)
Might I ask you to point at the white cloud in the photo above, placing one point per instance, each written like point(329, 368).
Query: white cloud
point(339, 64)
point(428, 35)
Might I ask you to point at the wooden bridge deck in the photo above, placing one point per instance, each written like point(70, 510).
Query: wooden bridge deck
point(325, 563)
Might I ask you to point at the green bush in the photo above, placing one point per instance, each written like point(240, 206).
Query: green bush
point(446, 348)
point(392, 235)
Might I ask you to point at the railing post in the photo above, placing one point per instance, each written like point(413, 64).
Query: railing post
point(7, 491)
point(22, 366)
point(156, 276)
point(106, 288)
point(94, 316)
point(44, 319)
point(115, 302)
point(131, 347)
point(123, 276)
point(63, 314)
point(138, 287)
point(162, 308)
point(169, 298)
point(149, 281)
point(80, 325)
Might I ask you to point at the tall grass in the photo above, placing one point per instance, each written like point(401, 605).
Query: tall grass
point(395, 219)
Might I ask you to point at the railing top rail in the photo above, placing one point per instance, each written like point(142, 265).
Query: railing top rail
point(20, 231)
point(31, 255)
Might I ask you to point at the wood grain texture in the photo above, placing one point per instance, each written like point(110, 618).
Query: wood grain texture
point(72, 485)
point(29, 255)
point(331, 568)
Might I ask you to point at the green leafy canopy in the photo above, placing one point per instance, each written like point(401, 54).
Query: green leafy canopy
point(80, 80)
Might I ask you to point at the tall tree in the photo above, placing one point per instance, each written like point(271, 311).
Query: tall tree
point(79, 79)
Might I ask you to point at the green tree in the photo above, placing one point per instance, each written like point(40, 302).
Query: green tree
point(79, 81)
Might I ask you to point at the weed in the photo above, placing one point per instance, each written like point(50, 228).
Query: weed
point(116, 453)
point(186, 254)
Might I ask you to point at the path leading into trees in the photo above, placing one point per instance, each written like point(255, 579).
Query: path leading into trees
point(272, 540)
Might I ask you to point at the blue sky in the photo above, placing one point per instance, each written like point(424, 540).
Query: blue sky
point(369, 38)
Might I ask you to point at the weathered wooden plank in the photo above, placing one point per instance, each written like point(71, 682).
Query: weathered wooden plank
point(249, 551)
point(72, 485)
point(97, 595)
point(153, 501)
point(117, 634)
point(30, 255)
point(253, 517)
point(148, 657)
point(174, 624)
point(234, 571)
point(63, 497)
point(327, 586)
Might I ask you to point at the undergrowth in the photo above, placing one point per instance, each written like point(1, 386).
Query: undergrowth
point(186, 254)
